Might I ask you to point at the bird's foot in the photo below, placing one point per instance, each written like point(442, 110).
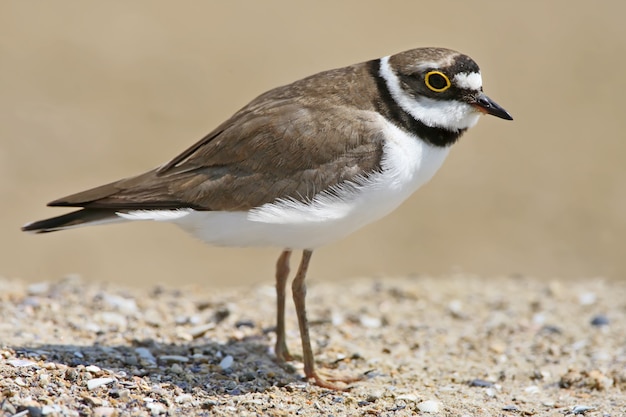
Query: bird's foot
point(282, 353)
point(331, 382)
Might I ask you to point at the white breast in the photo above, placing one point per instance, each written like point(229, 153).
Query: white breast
point(407, 164)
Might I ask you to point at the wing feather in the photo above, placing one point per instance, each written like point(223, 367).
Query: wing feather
point(283, 145)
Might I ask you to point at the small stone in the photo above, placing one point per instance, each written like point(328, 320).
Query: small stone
point(92, 401)
point(98, 382)
point(407, 397)
point(199, 331)
point(122, 394)
point(244, 323)
point(173, 359)
point(47, 410)
point(153, 317)
point(455, 307)
point(539, 319)
point(532, 389)
point(587, 299)
point(374, 396)
point(498, 347)
point(177, 369)
point(112, 319)
point(183, 398)
point(481, 383)
point(44, 380)
point(145, 354)
point(156, 408)
point(38, 288)
point(93, 369)
point(18, 363)
point(370, 322)
point(104, 412)
point(510, 407)
point(581, 409)
point(429, 406)
point(121, 304)
point(227, 362)
point(19, 381)
point(600, 320)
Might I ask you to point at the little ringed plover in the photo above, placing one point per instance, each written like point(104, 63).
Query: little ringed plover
point(304, 164)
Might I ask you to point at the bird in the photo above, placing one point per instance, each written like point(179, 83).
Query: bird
point(303, 165)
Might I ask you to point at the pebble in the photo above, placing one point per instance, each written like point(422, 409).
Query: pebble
point(581, 409)
point(93, 369)
point(245, 323)
point(510, 407)
point(153, 317)
point(112, 319)
point(145, 354)
point(122, 394)
point(539, 319)
point(93, 401)
point(586, 299)
point(98, 382)
point(600, 320)
point(19, 363)
point(173, 359)
point(337, 318)
point(199, 331)
point(177, 369)
point(44, 380)
point(104, 411)
point(156, 408)
point(122, 304)
point(227, 362)
point(183, 398)
point(38, 288)
point(407, 397)
point(455, 307)
point(370, 322)
point(50, 410)
point(19, 381)
point(480, 383)
point(429, 406)
point(532, 389)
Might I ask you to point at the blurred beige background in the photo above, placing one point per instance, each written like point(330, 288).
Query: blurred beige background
point(94, 91)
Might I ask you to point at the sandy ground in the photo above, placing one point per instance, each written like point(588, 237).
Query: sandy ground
point(456, 345)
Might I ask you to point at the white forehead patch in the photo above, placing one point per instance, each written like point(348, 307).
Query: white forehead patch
point(469, 80)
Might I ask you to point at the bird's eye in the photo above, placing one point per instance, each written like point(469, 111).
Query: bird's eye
point(437, 81)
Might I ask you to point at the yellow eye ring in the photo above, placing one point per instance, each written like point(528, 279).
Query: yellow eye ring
point(439, 83)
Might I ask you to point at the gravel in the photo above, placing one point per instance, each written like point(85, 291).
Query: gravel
point(457, 345)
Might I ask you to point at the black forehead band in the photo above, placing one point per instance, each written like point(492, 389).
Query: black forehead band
point(463, 63)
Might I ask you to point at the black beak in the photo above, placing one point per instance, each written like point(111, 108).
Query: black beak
point(487, 105)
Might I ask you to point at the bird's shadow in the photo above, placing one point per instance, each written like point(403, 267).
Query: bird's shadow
point(198, 365)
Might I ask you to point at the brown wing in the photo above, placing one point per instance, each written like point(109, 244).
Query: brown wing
point(288, 150)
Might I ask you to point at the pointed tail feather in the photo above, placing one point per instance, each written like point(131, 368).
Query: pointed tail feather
point(77, 218)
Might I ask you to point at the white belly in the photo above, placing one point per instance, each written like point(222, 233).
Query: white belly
point(407, 164)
